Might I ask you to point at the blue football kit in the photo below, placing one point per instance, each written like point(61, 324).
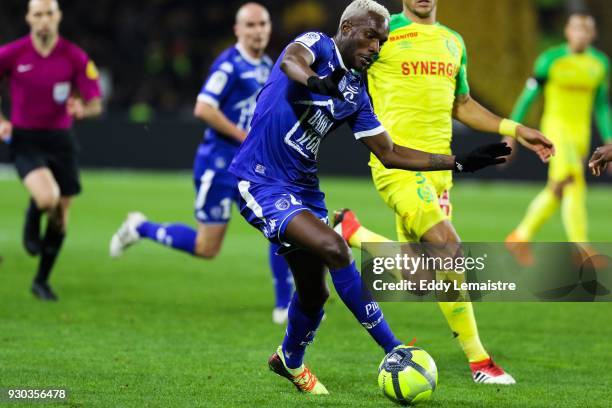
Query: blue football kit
point(232, 86)
point(276, 166)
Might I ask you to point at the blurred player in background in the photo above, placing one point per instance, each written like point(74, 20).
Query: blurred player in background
point(51, 82)
point(226, 104)
point(574, 78)
point(600, 159)
point(418, 85)
point(314, 88)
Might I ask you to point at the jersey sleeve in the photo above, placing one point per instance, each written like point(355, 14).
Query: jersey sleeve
point(314, 43)
point(602, 106)
point(463, 87)
point(87, 78)
point(6, 59)
point(218, 85)
point(364, 122)
point(532, 89)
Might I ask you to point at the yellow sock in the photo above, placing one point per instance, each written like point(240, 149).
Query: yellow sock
point(540, 210)
point(365, 235)
point(460, 318)
point(573, 211)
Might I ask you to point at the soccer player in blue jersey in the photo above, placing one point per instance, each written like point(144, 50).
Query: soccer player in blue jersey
point(226, 103)
point(314, 87)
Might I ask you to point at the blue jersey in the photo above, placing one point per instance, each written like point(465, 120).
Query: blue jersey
point(290, 121)
point(232, 86)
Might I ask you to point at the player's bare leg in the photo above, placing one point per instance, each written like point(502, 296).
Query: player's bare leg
point(45, 195)
point(305, 314)
point(209, 240)
point(460, 316)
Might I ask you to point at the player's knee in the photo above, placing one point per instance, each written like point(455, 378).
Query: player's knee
point(336, 252)
point(47, 202)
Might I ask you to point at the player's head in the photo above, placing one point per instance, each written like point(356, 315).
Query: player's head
point(421, 8)
point(253, 27)
point(580, 31)
point(44, 17)
point(364, 27)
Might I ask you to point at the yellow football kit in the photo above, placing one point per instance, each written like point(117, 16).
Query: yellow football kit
point(413, 85)
point(574, 85)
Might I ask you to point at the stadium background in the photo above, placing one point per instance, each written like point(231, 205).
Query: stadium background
point(151, 77)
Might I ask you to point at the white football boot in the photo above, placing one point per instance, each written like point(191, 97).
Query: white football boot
point(126, 235)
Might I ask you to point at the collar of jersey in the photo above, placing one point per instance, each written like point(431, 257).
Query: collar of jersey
point(339, 56)
point(244, 54)
point(401, 20)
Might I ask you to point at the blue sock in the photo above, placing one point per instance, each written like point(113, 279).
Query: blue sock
point(301, 331)
point(177, 236)
point(281, 277)
point(348, 284)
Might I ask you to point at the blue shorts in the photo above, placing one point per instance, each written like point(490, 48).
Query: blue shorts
point(270, 208)
point(216, 188)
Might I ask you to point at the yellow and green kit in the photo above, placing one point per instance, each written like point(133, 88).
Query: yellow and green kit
point(575, 85)
point(420, 71)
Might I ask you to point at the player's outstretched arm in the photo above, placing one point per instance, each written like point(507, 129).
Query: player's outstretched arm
point(296, 65)
point(476, 116)
point(600, 159)
point(393, 156)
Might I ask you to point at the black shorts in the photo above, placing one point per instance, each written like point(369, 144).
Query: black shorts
point(54, 149)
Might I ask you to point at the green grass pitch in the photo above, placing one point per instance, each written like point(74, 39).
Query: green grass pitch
point(157, 328)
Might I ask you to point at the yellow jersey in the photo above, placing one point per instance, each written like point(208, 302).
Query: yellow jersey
point(574, 85)
point(414, 82)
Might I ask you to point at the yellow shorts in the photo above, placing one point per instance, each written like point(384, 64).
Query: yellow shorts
point(571, 147)
point(420, 200)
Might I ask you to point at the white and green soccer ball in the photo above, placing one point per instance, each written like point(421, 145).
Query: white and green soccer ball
point(408, 375)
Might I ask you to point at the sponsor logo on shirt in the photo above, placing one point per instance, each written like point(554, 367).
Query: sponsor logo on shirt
point(433, 68)
point(404, 36)
point(23, 68)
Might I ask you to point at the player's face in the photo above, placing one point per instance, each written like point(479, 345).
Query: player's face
point(44, 17)
point(421, 8)
point(363, 40)
point(253, 28)
point(580, 32)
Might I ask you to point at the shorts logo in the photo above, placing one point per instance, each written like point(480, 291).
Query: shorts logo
point(282, 204)
point(61, 92)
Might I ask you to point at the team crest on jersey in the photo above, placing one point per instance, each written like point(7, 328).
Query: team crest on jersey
point(349, 91)
point(282, 204)
point(452, 47)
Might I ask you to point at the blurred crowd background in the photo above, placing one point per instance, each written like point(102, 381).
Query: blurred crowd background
point(153, 57)
point(154, 54)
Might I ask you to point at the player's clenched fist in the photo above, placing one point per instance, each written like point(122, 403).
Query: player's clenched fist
point(600, 159)
point(327, 85)
point(488, 155)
